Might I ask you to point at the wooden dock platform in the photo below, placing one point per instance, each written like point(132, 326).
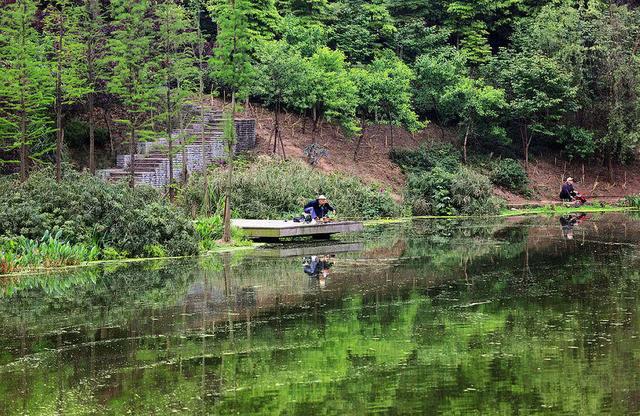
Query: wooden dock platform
point(275, 229)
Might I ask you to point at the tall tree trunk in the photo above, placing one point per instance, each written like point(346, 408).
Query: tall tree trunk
point(24, 160)
point(92, 133)
point(226, 235)
point(170, 143)
point(185, 170)
point(91, 44)
point(276, 127)
point(610, 168)
point(360, 138)
point(464, 144)
point(59, 133)
point(132, 154)
point(205, 160)
point(525, 146)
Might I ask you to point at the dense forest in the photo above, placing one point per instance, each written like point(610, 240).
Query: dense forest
point(515, 73)
point(504, 76)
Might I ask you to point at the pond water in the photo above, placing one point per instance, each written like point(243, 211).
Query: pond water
point(505, 316)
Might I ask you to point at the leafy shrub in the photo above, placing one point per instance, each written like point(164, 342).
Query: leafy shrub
point(89, 211)
point(510, 174)
point(440, 192)
point(209, 230)
point(271, 189)
point(632, 201)
point(578, 143)
point(425, 158)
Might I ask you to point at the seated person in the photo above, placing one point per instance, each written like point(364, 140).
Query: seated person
point(568, 193)
point(319, 208)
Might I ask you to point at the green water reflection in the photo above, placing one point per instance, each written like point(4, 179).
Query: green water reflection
point(431, 317)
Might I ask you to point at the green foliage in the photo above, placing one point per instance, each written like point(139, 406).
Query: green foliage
point(437, 72)
point(384, 92)
point(87, 210)
point(633, 201)
point(306, 36)
point(361, 28)
point(283, 76)
point(597, 45)
point(440, 192)
point(334, 93)
point(478, 108)
point(231, 61)
point(425, 158)
point(133, 77)
point(22, 253)
point(26, 86)
point(210, 231)
point(538, 91)
point(578, 143)
point(509, 174)
point(270, 189)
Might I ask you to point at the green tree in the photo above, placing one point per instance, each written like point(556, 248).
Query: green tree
point(92, 36)
point(392, 85)
point(199, 43)
point(538, 91)
point(65, 47)
point(133, 77)
point(281, 79)
point(435, 73)
point(359, 28)
point(26, 88)
point(177, 71)
point(231, 64)
point(333, 97)
point(478, 108)
point(305, 35)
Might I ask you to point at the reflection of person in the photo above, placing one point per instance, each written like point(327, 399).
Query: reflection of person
point(569, 194)
point(315, 266)
point(569, 221)
point(319, 208)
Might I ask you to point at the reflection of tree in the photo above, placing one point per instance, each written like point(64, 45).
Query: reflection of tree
point(400, 335)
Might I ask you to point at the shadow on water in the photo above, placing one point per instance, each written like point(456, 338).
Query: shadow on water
point(497, 316)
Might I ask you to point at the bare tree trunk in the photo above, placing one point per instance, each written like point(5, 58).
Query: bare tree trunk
point(464, 145)
point(132, 153)
point(170, 142)
point(107, 121)
point(360, 138)
point(276, 127)
point(92, 133)
point(185, 171)
point(525, 146)
point(610, 168)
point(226, 235)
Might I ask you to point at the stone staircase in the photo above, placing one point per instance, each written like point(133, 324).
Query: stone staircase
point(151, 161)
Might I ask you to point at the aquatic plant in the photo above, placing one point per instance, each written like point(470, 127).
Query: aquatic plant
point(50, 251)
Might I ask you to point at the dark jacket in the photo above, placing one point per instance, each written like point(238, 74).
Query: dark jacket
point(567, 191)
point(320, 210)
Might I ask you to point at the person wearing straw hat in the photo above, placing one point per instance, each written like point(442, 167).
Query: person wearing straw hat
point(319, 208)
